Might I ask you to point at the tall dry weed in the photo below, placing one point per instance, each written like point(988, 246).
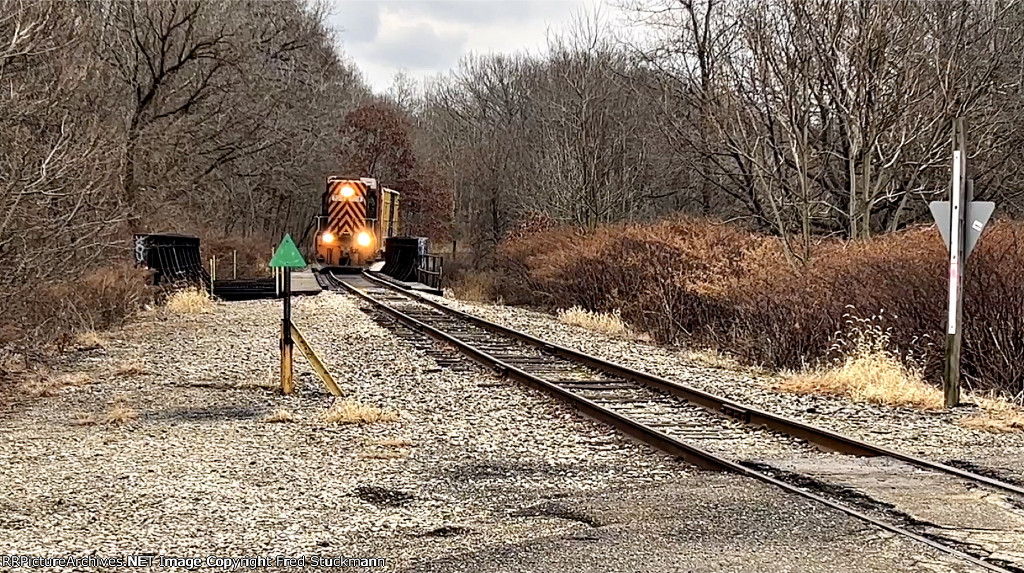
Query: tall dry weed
point(189, 301)
point(868, 370)
point(608, 323)
point(474, 286)
point(48, 316)
point(238, 256)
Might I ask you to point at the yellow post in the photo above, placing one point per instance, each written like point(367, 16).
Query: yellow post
point(315, 362)
point(287, 385)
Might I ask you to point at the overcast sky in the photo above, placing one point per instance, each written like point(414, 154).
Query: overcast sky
point(425, 37)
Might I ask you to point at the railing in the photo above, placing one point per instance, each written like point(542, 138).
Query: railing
point(429, 270)
point(172, 258)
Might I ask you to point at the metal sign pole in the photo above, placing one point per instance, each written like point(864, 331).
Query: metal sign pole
point(286, 258)
point(954, 321)
point(287, 345)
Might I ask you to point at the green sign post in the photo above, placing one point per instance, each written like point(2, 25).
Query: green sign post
point(287, 257)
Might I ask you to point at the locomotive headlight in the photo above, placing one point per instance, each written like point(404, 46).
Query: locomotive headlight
point(363, 239)
point(347, 191)
point(327, 237)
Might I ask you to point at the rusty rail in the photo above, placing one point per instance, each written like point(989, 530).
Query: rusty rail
point(653, 436)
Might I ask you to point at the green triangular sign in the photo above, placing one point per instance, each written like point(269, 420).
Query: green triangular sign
point(287, 255)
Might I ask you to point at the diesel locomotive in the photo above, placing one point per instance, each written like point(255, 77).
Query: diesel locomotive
point(356, 215)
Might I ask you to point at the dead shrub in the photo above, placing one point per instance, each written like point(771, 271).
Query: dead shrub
point(108, 295)
point(715, 285)
point(251, 256)
point(870, 372)
point(352, 412)
point(189, 301)
point(608, 323)
point(46, 317)
point(997, 417)
point(465, 281)
point(90, 340)
point(120, 413)
point(475, 286)
point(133, 367)
point(280, 415)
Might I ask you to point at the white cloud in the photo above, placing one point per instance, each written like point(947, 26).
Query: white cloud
point(420, 46)
point(356, 21)
point(428, 37)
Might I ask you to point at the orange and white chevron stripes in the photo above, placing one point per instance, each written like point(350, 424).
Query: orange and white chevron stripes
point(345, 207)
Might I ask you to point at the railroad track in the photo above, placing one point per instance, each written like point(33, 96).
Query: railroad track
point(886, 488)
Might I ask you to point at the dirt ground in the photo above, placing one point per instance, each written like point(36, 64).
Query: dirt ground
point(159, 443)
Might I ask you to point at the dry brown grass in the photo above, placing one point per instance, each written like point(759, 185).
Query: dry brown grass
point(51, 313)
point(473, 286)
point(90, 340)
point(997, 417)
point(390, 449)
point(386, 455)
point(39, 386)
point(120, 413)
point(189, 301)
point(610, 324)
point(133, 367)
point(696, 281)
point(874, 378)
point(47, 384)
point(870, 372)
point(74, 379)
point(711, 359)
point(352, 412)
point(84, 419)
point(280, 415)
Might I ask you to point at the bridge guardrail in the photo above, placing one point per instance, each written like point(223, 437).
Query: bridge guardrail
point(429, 270)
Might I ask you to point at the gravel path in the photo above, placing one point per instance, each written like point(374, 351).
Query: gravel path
point(934, 435)
point(478, 474)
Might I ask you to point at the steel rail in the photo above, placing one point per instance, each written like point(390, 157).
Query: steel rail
point(651, 436)
point(821, 437)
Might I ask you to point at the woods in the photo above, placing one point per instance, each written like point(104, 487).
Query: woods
point(822, 128)
point(801, 118)
point(210, 118)
point(804, 120)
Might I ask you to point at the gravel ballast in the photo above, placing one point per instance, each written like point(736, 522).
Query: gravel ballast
point(477, 474)
point(931, 434)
